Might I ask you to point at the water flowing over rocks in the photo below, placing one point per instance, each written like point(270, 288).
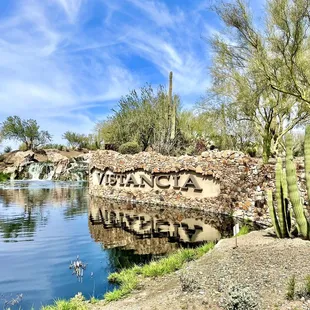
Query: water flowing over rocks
point(47, 165)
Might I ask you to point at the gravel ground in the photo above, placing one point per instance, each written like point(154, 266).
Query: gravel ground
point(261, 262)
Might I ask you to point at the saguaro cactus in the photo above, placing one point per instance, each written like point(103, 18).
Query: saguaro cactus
point(293, 192)
point(172, 109)
point(282, 222)
point(307, 160)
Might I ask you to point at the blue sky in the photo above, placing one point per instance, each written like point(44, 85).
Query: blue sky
point(66, 63)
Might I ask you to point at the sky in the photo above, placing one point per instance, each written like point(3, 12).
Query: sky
point(66, 63)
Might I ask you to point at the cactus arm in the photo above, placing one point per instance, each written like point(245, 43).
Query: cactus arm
point(293, 189)
point(272, 213)
point(307, 160)
point(280, 200)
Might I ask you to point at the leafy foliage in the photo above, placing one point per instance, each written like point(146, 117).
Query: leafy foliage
point(26, 131)
point(130, 148)
point(75, 140)
point(142, 116)
point(263, 77)
point(4, 176)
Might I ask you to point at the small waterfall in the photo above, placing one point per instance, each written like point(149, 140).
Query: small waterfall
point(41, 171)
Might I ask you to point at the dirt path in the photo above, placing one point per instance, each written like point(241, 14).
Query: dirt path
point(261, 262)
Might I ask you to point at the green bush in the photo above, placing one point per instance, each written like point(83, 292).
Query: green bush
point(308, 285)
point(240, 297)
point(4, 176)
point(23, 147)
point(56, 146)
point(130, 148)
point(291, 285)
point(243, 230)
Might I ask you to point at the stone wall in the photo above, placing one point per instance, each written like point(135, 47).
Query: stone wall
point(242, 181)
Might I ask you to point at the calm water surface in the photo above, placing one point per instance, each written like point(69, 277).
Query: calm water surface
point(44, 225)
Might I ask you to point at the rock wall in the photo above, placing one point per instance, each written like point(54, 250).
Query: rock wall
point(242, 181)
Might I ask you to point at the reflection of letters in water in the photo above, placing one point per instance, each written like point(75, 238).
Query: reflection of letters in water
point(144, 226)
point(190, 183)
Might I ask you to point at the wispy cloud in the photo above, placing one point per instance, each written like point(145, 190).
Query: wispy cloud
point(67, 62)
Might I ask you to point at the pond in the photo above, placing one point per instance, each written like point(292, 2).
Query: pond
point(45, 226)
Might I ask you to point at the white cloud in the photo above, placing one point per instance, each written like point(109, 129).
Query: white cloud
point(59, 66)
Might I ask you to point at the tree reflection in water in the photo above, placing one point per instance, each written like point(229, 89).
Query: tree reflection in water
point(25, 207)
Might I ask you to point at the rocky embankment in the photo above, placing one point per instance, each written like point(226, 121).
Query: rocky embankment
point(46, 165)
point(260, 266)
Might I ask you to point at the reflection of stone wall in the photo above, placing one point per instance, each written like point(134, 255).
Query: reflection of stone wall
point(111, 238)
point(242, 180)
point(152, 230)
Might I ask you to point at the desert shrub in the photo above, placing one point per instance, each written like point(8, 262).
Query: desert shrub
point(290, 290)
point(56, 146)
point(189, 282)
point(240, 297)
point(23, 147)
point(251, 151)
point(244, 230)
point(4, 176)
point(130, 148)
point(7, 149)
point(307, 288)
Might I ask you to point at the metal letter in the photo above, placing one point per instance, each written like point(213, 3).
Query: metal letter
point(159, 184)
point(113, 179)
point(122, 177)
point(132, 180)
point(145, 179)
point(176, 181)
point(192, 182)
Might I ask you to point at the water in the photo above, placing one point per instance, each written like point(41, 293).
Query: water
point(44, 225)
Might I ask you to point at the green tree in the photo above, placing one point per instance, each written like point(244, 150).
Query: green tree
point(254, 70)
point(143, 117)
point(25, 131)
point(76, 140)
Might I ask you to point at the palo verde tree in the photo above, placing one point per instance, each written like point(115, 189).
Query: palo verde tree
point(263, 75)
point(76, 140)
point(25, 131)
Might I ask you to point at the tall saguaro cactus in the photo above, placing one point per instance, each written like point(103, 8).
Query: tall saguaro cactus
point(307, 160)
point(282, 222)
point(172, 109)
point(292, 186)
point(287, 192)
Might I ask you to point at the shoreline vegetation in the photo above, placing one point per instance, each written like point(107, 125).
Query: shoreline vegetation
point(129, 279)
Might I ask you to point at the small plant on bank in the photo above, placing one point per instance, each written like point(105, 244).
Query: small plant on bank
point(244, 230)
point(291, 285)
point(189, 283)
point(240, 297)
point(75, 303)
point(307, 286)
